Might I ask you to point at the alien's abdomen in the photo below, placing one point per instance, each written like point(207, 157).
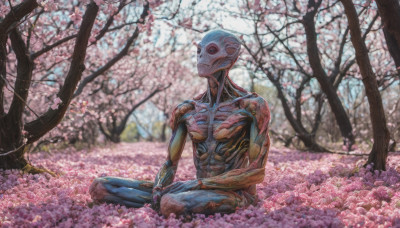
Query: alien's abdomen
point(226, 148)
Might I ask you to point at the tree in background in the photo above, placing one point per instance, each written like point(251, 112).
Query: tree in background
point(119, 99)
point(42, 37)
point(179, 91)
point(300, 51)
point(304, 42)
point(389, 10)
point(279, 50)
point(379, 151)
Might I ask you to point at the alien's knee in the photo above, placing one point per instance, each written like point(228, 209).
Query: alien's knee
point(170, 203)
point(97, 190)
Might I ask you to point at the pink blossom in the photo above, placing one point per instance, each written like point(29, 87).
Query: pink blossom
point(76, 16)
point(300, 189)
point(56, 102)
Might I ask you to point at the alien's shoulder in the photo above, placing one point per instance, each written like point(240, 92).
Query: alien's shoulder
point(179, 111)
point(254, 102)
point(259, 109)
point(185, 106)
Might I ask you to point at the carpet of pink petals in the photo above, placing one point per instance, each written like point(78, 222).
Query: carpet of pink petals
point(300, 189)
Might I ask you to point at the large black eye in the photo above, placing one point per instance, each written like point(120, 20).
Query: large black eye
point(198, 50)
point(212, 49)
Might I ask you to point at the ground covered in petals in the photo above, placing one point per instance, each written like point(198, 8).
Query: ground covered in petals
point(300, 189)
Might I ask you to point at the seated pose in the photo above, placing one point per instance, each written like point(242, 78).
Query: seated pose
point(228, 127)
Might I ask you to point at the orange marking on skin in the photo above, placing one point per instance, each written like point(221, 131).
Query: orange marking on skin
point(170, 205)
point(97, 191)
point(179, 111)
point(218, 158)
point(204, 156)
point(147, 185)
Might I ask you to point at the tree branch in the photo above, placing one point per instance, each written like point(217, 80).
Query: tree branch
point(299, 91)
point(110, 20)
point(122, 125)
point(23, 80)
point(114, 60)
point(52, 117)
point(50, 47)
point(103, 131)
point(15, 15)
point(320, 74)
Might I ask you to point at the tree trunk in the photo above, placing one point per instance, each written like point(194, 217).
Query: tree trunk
point(115, 138)
point(389, 10)
point(10, 138)
point(319, 73)
point(307, 138)
point(163, 136)
point(381, 136)
point(13, 142)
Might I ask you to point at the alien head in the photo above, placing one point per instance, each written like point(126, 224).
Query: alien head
point(218, 50)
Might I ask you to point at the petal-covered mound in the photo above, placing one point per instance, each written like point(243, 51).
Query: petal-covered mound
point(300, 189)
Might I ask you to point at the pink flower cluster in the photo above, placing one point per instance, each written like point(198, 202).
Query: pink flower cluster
point(300, 189)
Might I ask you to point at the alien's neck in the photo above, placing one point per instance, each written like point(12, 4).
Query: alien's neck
point(215, 87)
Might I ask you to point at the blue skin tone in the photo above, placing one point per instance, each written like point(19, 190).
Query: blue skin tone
point(126, 192)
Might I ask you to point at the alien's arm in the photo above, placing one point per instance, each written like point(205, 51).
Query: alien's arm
point(258, 154)
point(166, 174)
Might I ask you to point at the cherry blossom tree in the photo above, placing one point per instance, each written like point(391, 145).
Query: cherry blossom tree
point(119, 99)
point(289, 50)
point(111, 101)
point(179, 91)
point(289, 41)
point(38, 72)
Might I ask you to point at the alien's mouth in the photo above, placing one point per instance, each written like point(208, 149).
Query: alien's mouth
point(203, 64)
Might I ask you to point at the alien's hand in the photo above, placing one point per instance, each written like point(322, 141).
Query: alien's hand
point(182, 186)
point(156, 198)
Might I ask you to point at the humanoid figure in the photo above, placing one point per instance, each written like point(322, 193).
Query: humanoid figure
point(228, 127)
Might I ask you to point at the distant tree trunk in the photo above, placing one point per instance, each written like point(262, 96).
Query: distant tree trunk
point(389, 10)
point(252, 76)
point(286, 139)
point(381, 135)
point(113, 130)
point(306, 137)
point(115, 138)
point(319, 73)
point(163, 136)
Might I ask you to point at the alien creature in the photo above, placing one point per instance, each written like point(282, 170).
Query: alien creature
point(228, 127)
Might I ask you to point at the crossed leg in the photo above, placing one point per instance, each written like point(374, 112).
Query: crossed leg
point(205, 202)
point(123, 191)
point(136, 193)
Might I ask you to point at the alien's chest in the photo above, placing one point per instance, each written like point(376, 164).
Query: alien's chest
point(221, 124)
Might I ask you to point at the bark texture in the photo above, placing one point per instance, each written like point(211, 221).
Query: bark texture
point(319, 73)
point(389, 11)
point(381, 136)
point(13, 142)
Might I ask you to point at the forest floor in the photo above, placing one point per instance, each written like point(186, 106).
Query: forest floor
point(300, 189)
